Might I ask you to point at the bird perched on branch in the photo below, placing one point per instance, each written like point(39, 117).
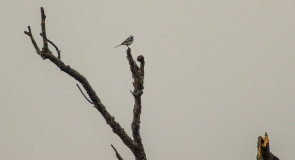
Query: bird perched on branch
point(127, 42)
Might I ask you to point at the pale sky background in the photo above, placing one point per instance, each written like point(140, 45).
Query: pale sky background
point(218, 75)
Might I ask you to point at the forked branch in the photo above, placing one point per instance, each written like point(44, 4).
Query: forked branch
point(138, 74)
point(55, 46)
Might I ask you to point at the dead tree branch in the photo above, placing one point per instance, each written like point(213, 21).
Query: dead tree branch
point(45, 44)
point(84, 94)
point(55, 46)
point(263, 149)
point(117, 153)
point(29, 33)
point(138, 80)
point(138, 74)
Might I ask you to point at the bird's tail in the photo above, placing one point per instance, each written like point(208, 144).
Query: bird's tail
point(118, 45)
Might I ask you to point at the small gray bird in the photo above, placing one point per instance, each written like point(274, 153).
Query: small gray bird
point(127, 42)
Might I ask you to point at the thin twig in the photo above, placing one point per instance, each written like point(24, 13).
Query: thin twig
point(29, 33)
point(84, 94)
point(56, 48)
point(45, 44)
point(117, 153)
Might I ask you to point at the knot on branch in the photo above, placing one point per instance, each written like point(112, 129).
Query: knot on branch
point(137, 93)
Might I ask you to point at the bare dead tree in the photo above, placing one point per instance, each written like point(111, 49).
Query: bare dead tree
point(263, 149)
point(134, 143)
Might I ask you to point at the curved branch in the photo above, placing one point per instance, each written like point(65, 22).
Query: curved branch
point(117, 153)
point(84, 94)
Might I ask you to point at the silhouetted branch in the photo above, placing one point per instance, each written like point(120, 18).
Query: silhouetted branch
point(110, 120)
point(138, 80)
point(117, 153)
point(29, 33)
point(263, 149)
point(137, 73)
point(56, 48)
point(84, 94)
point(45, 44)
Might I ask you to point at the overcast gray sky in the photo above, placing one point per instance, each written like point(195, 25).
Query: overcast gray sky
point(218, 75)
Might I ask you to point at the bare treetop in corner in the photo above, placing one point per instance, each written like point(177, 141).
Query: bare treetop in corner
point(263, 149)
point(134, 143)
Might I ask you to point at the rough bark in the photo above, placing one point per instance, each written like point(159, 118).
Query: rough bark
point(138, 77)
